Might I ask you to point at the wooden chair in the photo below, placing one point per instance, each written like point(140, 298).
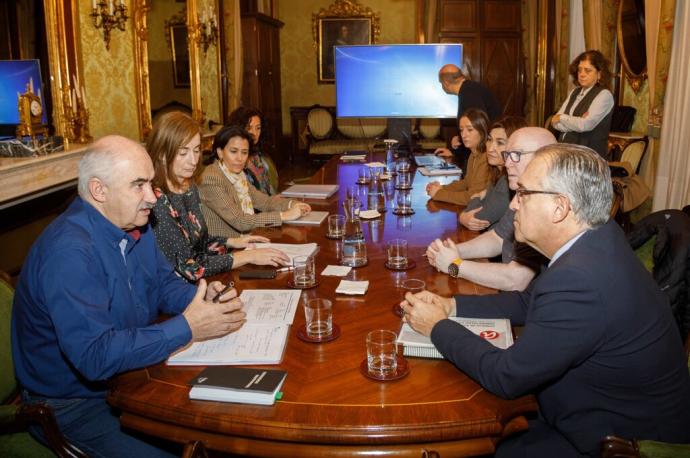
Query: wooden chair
point(633, 154)
point(15, 417)
point(194, 449)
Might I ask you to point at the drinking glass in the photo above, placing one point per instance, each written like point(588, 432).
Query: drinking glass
point(397, 253)
point(336, 225)
point(364, 175)
point(382, 353)
point(304, 271)
point(318, 315)
point(404, 201)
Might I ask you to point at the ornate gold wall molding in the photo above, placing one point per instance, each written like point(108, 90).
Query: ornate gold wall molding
point(140, 9)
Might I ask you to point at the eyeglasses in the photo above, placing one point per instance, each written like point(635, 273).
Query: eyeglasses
point(514, 155)
point(520, 192)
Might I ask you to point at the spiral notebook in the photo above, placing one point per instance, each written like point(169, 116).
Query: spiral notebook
point(496, 331)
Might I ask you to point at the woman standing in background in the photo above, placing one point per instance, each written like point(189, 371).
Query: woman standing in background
point(585, 116)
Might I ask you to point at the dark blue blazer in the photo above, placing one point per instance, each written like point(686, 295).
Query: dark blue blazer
point(599, 348)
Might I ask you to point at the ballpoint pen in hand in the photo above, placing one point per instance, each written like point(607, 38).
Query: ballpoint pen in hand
point(225, 290)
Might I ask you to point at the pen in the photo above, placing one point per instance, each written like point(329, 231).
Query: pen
point(284, 269)
point(225, 290)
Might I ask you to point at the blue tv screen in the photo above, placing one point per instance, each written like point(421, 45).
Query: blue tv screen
point(394, 81)
point(14, 77)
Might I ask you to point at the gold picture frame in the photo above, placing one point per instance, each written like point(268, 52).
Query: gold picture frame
point(345, 22)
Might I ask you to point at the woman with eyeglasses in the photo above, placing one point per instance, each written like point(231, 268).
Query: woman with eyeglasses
point(488, 206)
point(585, 116)
point(260, 169)
point(474, 131)
point(175, 149)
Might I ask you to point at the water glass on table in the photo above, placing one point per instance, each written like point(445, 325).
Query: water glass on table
point(411, 285)
point(397, 253)
point(318, 315)
point(382, 353)
point(336, 226)
point(304, 271)
point(404, 202)
point(364, 175)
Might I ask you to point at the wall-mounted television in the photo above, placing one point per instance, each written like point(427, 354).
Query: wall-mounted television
point(14, 77)
point(394, 81)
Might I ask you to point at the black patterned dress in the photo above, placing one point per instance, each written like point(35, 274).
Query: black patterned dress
point(183, 237)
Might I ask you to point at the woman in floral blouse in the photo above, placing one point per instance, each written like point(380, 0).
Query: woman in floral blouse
point(259, 167)
point(175, 149)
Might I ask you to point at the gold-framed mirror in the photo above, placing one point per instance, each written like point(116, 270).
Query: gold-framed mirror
point(631, 41)
point(160, 56)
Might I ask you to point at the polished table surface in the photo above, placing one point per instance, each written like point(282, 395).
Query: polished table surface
point(328, 407)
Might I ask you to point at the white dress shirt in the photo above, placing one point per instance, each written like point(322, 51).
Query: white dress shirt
point(599, 108)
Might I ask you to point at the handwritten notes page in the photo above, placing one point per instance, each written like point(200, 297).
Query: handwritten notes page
point(260, 341)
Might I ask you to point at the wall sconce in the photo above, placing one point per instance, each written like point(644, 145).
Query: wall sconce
point(208, 28)
point(107, 15)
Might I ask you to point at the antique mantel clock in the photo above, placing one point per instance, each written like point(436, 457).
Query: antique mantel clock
point(30, 113)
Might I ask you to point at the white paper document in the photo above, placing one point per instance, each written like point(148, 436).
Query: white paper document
point(497, 331)
point(252, 344)
point(270, 305)
point(291, 249)
point(437, 172)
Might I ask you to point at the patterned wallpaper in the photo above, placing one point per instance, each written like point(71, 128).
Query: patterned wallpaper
point(299, 85)
point(208, 71)
point(113, 111)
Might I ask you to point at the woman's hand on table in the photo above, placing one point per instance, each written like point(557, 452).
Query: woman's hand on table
point(297, 210)
point(443, 152)
point(261, 257)
point(471, 222)
point(432, 188)
point(246, 241)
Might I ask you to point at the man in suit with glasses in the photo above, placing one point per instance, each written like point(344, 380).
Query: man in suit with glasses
point(599, 347)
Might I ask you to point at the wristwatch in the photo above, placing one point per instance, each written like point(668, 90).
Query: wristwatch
point(453, 268)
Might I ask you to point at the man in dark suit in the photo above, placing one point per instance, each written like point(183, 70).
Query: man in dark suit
point(599, 348)
point(471, 94)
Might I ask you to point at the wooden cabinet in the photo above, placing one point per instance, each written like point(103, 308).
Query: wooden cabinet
point(261, 75)
point(490, 32)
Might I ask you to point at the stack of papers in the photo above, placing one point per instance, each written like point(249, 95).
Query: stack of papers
point(352, 287)
point(261, 340)
point(354, 156)
point(311, 191)
point(313, 218)
point(440, 171)
point(497, 331)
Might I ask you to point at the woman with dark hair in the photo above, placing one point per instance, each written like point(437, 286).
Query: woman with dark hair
point(488, 206)
point(474, 131)
point(181, 232)
point(585, 116)
point(229, 200)
point(260, 169)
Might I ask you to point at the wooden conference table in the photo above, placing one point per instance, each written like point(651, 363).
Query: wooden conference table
point(328, 407)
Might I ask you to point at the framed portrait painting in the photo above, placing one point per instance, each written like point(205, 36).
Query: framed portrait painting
point(337, 32)
point(345, 22)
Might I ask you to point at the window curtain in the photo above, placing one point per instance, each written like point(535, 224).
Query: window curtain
point(672, 184)
point(593, 20)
